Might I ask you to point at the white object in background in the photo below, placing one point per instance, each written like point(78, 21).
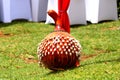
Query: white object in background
point(0, 11)
point(100, 10)
point(15, 9)
point(5, 11)
point(76, 11)
point(39, 10)
point(52, 5)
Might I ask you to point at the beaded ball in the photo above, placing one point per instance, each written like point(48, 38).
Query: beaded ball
point(59, 51)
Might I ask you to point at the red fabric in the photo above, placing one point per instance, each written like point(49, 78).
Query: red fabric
point(53, 14)
point(62, 13)
point(61, 19)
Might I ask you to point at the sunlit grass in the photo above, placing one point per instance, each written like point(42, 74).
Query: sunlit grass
point(19, 41)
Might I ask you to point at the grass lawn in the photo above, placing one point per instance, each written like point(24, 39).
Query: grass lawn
point(100, 52)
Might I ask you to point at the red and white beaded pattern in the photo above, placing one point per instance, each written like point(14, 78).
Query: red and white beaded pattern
point(59, 50)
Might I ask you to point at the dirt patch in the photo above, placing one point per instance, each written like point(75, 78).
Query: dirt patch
point(85, 57)
point(28, 59)
point(111, 28)
point(5, 35)
point(97, 52)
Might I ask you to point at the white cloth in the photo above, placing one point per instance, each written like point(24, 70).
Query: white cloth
point(39, 10)
point(100, 10)
point(15, 9)
point(5, 11)
point(52, 5)
point(76, 11)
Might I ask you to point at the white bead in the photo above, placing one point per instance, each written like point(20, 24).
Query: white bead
point(57, 52)
point(67, 41)
point(58, 46)
point(63, 40)
point(41, 47)
point(48, 47)
point(43, 51)
point(71, 48)
point(61, 43)
point(65, 44)
point(77, 54)
point(48, 53)
point(39, 56)
point(52, 53)
point(72, 51)
point(63, 47)
point(70, 54)
point(68, 37)
point(53, 46)
point(66, 52)
point(54, 49)
point(61, 52)
point(45, 54)
point(60, 49)
point(67, 47)
point(50, 50)
point(48, 43)
point(42, 55)
point(69, 44)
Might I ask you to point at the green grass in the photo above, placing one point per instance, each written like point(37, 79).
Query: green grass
point(21, 39)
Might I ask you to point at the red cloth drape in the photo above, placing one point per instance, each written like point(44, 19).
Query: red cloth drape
point(62, 14)
point(61, 18)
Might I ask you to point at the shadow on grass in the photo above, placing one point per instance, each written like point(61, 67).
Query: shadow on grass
point(12, 23)
point(89, 23)
point(97, 62)
point(55, 72)
point(77, 25)
point(103, 61)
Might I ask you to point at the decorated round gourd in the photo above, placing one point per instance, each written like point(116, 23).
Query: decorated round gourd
point(59, 50)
